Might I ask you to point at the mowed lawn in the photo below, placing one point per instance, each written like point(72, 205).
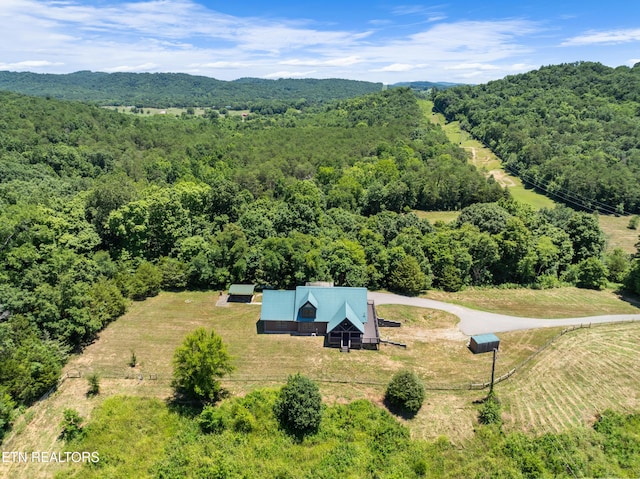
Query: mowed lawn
point(576, 378)
point(153, 329)
point(566, 302)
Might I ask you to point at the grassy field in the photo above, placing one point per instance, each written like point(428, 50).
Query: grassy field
point(578, 376)
point(566, 302)
point(436, 350)
point(175, 112)
point(617, 233)
point(435, 216)
point(147, 111)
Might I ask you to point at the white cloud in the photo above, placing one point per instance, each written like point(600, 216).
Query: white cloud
point(399, 67)
point(145, 67)
point(633, 61)
point(332, 62)
point(611, 37)
point(472, 66)
point(27, 64)
point(221, 64)
point(185, 36)
point(288, 74)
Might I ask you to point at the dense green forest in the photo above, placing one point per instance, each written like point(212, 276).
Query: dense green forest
point(163, 90)
point(98, 208)
point(572, 130)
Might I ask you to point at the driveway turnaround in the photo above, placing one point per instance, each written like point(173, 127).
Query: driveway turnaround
point(480, 322)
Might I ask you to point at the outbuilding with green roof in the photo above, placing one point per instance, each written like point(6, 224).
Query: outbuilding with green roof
point(241, 293)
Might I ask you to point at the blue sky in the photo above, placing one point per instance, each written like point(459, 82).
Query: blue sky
point(375, 40)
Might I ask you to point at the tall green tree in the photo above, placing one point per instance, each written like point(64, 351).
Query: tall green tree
point(198, 365)
point(407, 277)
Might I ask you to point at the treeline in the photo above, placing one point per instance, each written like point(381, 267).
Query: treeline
point(163, 90)
point(572, 130)
point(358, 440)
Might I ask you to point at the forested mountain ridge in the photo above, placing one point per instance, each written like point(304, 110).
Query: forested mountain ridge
point(573, 129)
point(163, 90)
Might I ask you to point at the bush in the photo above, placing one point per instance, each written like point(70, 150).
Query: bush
point(491, 411)
point(94, 385)
point(133, 361)
point(299, 406)
point(71, 424)
point(592, 274)
point(7, 406)
point(632, 281)
point(212, 420)
point(407, 277)
point(405, 391)
point(145, 282)
point(243, 420)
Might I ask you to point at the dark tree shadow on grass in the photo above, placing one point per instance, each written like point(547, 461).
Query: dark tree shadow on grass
point(399, 411)
point(190, 407)
point(628, 297)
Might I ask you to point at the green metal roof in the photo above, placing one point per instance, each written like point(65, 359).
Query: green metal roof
point(343, 302)
point(241, 289)
point(486, 338)
point(311, 299)
point(277, 305)
point(345, 312)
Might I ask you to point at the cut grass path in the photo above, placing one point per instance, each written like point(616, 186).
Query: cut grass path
point(614, 227)
point(485, 160)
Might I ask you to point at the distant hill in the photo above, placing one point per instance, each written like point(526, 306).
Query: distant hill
point(572, 130)
point(426, 85)
point(163, 90)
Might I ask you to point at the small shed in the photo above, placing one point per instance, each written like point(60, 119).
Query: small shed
point(241, 293)
point(484, 343)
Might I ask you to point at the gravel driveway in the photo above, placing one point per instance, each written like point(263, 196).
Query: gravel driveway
point(479, 322)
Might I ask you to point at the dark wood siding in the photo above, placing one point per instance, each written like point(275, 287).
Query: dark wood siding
point(279, 326)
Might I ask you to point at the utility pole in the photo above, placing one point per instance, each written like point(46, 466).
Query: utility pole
point(493, 369)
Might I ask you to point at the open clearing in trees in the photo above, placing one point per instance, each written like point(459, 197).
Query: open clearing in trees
point(614, 227)
point(578, 375)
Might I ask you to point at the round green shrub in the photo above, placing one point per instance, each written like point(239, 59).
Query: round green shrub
point(405, 391)
point(299, 406)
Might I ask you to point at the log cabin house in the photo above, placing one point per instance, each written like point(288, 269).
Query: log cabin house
point(342, 314)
